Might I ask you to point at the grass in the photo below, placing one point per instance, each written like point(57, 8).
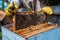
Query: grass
point(1, 9)
point(0, 34)
point(0, 31)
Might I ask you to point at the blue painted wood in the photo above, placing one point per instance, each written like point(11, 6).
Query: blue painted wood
point(49, 35)
point(33, 38)
point(8, 35)
point(56, 9)
point(53, 34)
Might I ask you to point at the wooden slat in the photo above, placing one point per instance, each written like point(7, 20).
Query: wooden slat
point(35, 30)
point(14, 23)
point(26, 30)
point(28, 12)
point(38, 31)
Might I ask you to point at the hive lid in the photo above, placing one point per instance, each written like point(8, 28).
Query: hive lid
point(2, 15)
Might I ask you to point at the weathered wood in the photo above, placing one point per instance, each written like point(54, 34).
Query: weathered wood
point(33, 30)
point(29, 12)
point(14, 23)
point(38, 31)
point(26, 27)
point(33, 27)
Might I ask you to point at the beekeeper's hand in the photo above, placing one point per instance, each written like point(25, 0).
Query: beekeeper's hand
point(48, 10)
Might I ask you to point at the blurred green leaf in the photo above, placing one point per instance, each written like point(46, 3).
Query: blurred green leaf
point(1, 9)
point(0, 34)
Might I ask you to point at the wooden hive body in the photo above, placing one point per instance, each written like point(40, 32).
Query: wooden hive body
point(10, 32)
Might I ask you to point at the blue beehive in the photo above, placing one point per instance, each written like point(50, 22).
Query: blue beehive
point(53, 34)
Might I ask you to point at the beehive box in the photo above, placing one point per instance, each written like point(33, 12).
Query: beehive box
point(25, 19)
point(22, 19)
point(42, 32)
point(32, 32)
